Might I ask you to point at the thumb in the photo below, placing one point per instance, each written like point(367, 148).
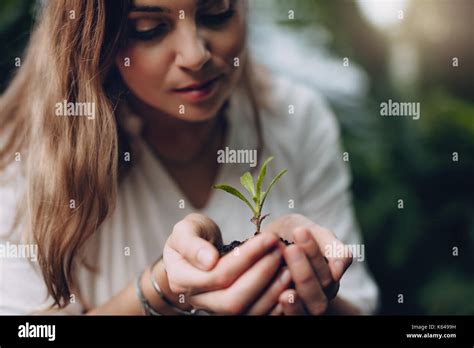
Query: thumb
point(192, 238)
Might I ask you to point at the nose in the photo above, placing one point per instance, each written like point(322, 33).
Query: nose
point(192, 53)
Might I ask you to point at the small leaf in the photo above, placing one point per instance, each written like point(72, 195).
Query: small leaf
point(275, 179)
point(247, 181)
point(259, 205)
point(261, 177)
point(236, 193)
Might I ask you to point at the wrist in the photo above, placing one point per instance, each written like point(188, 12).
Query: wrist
point(168, 302)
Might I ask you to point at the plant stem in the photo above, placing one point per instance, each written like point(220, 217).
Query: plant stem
point(257, 220)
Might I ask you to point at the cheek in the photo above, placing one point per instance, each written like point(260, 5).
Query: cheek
point(226, 47)
point(231, 43)
point(146, 70)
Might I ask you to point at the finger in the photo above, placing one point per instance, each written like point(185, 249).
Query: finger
point(305, 240)
point(234, 264)
point(190, 239)
point(285, 224)
point(270, 297)
point(291, 303)
point(306, 282)
point(330, 246)
point(208, 229)
point(277, 310)
point(239, 296)
point(182, 275)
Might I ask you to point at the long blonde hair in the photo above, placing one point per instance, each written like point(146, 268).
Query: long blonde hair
point(70, 158)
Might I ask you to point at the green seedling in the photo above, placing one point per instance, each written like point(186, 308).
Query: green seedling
point(258, 196)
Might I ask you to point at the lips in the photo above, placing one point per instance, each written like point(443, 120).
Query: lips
point(197, 86)
point(199, 92)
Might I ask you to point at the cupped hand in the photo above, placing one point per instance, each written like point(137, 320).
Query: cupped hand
point(315, 273)
point(245, 281)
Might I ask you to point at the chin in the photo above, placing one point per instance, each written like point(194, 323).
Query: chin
point(200, 113)
point(198, 116)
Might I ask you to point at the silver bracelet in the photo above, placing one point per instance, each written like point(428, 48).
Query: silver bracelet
point(170, 303)
point(147, 307)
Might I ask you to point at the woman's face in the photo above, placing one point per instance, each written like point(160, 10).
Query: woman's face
point(181, 54)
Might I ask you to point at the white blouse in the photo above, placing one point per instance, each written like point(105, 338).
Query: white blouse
point(149, 203)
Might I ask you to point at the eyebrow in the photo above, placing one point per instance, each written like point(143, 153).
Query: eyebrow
point(158, 9)
point(144, 8)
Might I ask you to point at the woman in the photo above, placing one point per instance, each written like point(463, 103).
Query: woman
point(105, 193)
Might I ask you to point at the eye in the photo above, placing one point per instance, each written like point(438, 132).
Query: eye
point(216, 20)
point(147, 29)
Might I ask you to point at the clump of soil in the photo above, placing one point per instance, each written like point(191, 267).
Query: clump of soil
point(227, 248)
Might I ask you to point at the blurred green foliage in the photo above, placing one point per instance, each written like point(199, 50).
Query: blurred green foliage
point(410, 250)
point(16, 20)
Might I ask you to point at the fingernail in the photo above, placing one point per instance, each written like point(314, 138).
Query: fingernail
point(205, 257)
point(301, 236)
point(285, 276)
